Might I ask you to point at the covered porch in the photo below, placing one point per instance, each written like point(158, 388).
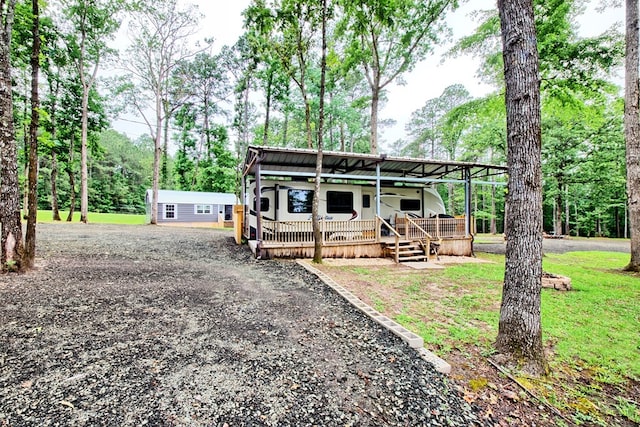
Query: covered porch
point(400, 236)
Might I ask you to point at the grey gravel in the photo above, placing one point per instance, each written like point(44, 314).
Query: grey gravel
point(160, 326)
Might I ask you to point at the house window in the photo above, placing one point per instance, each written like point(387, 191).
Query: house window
point(409, 204)
point(170, 212)
point(300, 201)
point(339, 202)
point(203, 209)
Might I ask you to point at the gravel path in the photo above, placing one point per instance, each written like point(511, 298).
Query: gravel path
point(141, 325)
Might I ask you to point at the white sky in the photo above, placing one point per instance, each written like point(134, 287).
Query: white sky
point(223, 21)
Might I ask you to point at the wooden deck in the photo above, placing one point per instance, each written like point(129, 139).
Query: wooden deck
point(362, 238)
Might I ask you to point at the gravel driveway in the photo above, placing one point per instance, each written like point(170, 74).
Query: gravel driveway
point(560, 246)
point(142, 325)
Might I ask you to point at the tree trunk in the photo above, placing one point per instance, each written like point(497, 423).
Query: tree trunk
point(245, 125)
point(557, 210)
point(84, 168)
point(54, 156)
point(286, 129)
point(493, 226)
point(25, 138)
point(157, 153)
point(30, 239)
point(307, 119)
point(632, 131)
point(520, 333)
point(72, 180)
point(332, 145)
point(451, 197)
point(55, 210)
point(12, 249)
point(475, 209)
point(317, 232)
point(265, 135)
point(375, 101)
point(25, 194)
point(567, 222)
point(165, 149)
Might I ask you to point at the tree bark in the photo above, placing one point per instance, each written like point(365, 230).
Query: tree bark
point(30, 240)
point(375, 101)
point(317, 232)
point(267, 112)
point(157, 153)
point(84, 168)
point(519, 338)
point(567, 213)
point(55, 210)
point(557, 221)
point(632, 131)
point(12, 249)
point(72, 180)
point(493, 227)
point(165, 147)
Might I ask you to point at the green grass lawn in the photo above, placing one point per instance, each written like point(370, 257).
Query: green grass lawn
point(591, 333)
point(99, 218)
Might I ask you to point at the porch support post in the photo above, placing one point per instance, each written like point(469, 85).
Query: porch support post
point(258, 197)
point(245, 205)
point(467, 201)
point(377, 189)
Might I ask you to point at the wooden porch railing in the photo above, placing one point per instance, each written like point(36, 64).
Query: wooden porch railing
point(293, 232)
point(413, 231)
point(437, 228)
point(365, 231)
point(395, 234)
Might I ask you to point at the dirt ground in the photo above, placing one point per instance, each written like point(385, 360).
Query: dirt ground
point(144, 325)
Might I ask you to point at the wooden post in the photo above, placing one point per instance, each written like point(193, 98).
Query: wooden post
point(238, 215)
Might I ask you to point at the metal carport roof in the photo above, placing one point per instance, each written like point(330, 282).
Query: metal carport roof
point(302, 162)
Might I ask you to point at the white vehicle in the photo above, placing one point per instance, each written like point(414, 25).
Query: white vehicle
point(282, 200)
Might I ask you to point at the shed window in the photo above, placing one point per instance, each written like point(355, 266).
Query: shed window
point(300, 201)
point(170, 212)
point(339, 202)
point(203, 209)
point(409, 204)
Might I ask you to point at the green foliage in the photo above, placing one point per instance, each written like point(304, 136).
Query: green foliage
point(120, 173)
point(582, 144)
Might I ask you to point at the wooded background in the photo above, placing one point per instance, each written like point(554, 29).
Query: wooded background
point(205, 104)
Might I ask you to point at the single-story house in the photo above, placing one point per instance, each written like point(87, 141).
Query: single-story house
point(192, 208)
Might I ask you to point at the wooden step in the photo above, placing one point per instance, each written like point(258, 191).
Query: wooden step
point(414, 258)
point(407, 251)
point(410, 252)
